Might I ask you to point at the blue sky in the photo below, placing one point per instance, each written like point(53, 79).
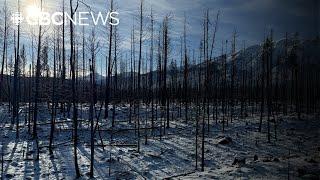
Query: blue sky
point(252, 19)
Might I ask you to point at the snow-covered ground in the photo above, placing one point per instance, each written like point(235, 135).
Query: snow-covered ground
point(295, 153)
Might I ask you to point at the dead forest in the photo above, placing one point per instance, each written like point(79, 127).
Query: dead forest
point(59, 102)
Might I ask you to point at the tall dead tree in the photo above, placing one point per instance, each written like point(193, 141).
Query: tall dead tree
point(205, 98)
point(207, 76)
point(74, 90)
point(4, 47)
point(53, 97)
point(159, 78)
point(224, 84)
point(83, 69)
point(93, 97)
point(210, 58)
point(15, 103)
point(108, 68)
point(262, 86)
point(115, 84)
point(63, 72)
point(269, 80)
point(139, 67)
point(185, 71)
point(165, 101)
point(151, 73)
point(198, 94)
point(63, 64)
point(37, 83)
point(233, 75)
point(132, 74)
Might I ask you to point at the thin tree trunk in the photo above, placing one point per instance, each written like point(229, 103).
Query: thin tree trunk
point(74, 93)
point(107, 96)
point(16, 81)
point(139, 68)
point(4, 47)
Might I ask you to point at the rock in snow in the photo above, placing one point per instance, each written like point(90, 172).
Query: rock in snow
point(225, 140)
point(239, 161)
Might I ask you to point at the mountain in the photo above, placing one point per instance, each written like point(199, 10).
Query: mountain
point(99, 78)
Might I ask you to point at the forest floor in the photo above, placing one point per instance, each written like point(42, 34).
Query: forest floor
point(294, 153)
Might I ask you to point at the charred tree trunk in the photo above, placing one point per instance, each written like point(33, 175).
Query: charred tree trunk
point(53, 106)
point(74, 92)
point(16, 88)
point(185, 74)
point(38, 71)
point(5, 33)
point(139, 69)
point(108, 79)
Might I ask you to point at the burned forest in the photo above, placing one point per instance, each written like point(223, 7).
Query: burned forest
point(152, 90)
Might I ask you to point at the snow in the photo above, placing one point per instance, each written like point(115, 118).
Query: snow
point(294, 153)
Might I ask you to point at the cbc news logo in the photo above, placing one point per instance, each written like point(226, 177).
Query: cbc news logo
point(56, 18)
